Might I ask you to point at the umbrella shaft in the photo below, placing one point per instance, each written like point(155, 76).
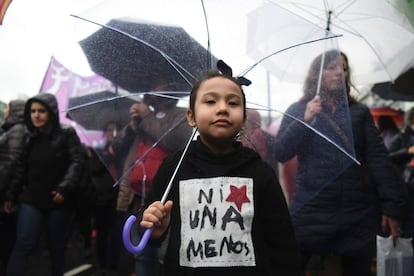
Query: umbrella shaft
point(167, 190)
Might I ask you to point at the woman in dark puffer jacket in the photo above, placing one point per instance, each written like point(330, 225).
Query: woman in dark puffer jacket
point(11, 146)
point(46, 175)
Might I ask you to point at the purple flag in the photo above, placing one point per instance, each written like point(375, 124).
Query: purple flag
point(65, 84)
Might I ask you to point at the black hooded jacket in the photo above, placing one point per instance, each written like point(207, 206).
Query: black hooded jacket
point(271, 232)
point(50, 162)
point(11, 144)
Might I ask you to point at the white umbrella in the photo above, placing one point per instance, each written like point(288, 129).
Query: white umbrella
point(378, 37)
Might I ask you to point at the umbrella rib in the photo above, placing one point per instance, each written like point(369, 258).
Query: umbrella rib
point(247, 70)
point(356, 33)
point(302, 8)
point(339, 10)
point(329, 140)
point(209, 57)
point(97, 102)
point(144, 155)
point(324, 136)
point(165, 94)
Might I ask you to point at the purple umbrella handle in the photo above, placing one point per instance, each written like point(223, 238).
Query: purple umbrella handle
point(134, 249)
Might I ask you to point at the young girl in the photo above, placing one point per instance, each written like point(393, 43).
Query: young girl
point(225, 213)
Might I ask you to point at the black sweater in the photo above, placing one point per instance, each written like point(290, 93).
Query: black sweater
point(233, 219)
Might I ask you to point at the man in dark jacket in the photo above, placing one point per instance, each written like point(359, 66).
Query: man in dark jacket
point(11, 146)
point(46, 176)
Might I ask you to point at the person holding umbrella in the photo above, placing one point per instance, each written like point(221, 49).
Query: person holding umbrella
point(47, 173)
point(225, 213)
point(157, 128)
point(126, 148)
point(341, 216)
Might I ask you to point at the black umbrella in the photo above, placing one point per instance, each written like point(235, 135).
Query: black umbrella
point(136, 55)
point(401, 90)
point(93, 111)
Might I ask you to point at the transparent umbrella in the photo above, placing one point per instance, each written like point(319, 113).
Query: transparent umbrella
point(219, 27)
point(378, 37)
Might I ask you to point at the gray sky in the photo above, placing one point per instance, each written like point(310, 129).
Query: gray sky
point(31, 32)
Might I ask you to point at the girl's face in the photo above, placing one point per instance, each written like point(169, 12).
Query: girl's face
point(218, 112)
point(39, 115)
point(333, 75)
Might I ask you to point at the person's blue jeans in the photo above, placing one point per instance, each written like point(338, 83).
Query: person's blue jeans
point(30, 223)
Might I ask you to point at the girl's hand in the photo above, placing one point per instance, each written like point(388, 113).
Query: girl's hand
point(157, 216)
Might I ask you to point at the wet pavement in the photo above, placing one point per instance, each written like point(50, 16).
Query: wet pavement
point(79, 261)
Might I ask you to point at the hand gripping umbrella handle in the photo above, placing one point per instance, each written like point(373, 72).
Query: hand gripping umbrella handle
point(136, 249)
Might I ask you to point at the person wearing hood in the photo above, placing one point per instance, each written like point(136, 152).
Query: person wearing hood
point(11, 141)
point(46, 174)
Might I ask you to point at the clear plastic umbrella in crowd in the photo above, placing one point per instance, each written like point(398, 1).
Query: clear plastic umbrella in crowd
point(378, 36)
point(168, 66)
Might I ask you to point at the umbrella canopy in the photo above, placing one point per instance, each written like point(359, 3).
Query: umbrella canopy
point(156, 51)
point(377, 36)
point(94, 111)
point(226, 30)
point(401, 90)
point(227, 38)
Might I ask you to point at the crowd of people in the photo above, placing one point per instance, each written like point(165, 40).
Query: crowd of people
point(226, 212)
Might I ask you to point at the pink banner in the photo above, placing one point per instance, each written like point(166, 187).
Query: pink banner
point(65, 84)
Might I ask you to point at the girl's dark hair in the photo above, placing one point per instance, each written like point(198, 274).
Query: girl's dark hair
point(210, 75)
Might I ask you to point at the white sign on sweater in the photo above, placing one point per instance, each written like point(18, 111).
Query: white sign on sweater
point(216, 222)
